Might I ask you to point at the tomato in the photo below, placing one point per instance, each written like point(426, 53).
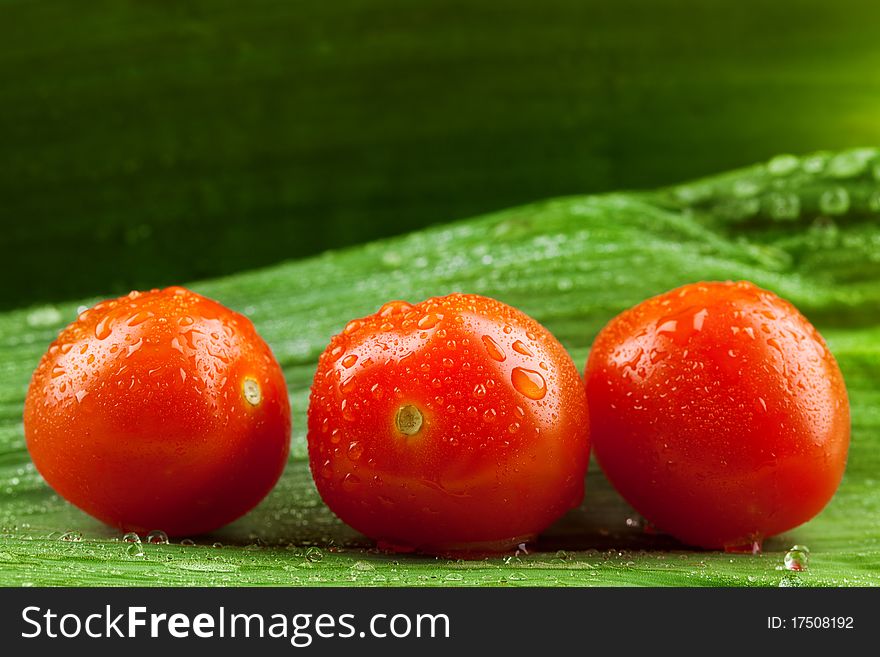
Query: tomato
point(159, 410)
point(458, 424)
point(719, 413)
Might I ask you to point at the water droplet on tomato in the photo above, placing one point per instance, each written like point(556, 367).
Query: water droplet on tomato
point(350, 482)
point(349, 361)
point(428, 321)
point(376, 391)
point(479, 391)
point(520, 348)
point(513, 427)
point(104, 328)
point(134, 347)
point(347, 413)
point(80, 395)
point(493, 349)
point(57, 371)
point(797, 558)
point(394, 308)
point(529, 383)
point(139, 318)
point(489, 415)
point(355, 451)
point(326, 470)
point(352, 326)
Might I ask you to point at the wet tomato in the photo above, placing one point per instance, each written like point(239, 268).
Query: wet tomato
point(159, 410)
point(458, 424)
point(719, 413)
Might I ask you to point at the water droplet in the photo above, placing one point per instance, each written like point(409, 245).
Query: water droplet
point(80, 395)
point(157, 537)
point(479, 391)
point(513, 427)
point(782, 165)
point(528, 382)
point(489, 415)
point(850, 163)
point(104, 327)
point(394, 308)
point(314, 555)
point(349, 361)
point(428, 321)
point(350, 482)
point(57, 371)
point(131, 537)
point(72, 536)
point(376, 391)
point(784, 206)
point(188, 542)
point(43, 316)
point(493, 349)
point(186, 320)
point(353, 326)
point(746, 188)
point(355, 451)
point(520, 348)
point(251, 390)
point(797, 558)
point(135, 550)
point(834, 201)
point(139, 318)
point(134, 347)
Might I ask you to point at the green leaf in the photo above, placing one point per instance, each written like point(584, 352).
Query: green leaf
point(807, 228)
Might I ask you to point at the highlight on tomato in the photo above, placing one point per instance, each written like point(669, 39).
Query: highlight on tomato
point(458, 424)
point(161, 410)
point(718, 412)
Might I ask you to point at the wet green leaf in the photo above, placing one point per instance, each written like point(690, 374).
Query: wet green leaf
point(807, 228)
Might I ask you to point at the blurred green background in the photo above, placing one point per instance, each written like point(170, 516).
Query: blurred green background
point(144, 143)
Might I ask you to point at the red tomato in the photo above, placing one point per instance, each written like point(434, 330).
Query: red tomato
point(718, 412)
point(159, 410)
point(458, 424)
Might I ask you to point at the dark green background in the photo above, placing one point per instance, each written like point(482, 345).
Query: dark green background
point(144, 143)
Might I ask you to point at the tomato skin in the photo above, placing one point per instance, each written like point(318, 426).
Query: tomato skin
point(139, 413)
point(719, 413)
point(489, 466)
